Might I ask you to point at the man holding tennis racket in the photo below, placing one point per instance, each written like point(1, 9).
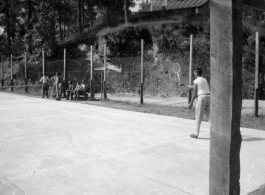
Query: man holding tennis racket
point(202, 92)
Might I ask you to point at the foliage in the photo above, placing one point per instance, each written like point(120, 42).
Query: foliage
point(43, 40)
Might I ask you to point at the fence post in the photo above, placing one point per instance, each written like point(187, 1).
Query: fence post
point(91, 74)
point(142, 72)
point(2, 69)
point(43, 63)
point(11, 72)
point(191, 66)
point(257, 60)
point(64, 66)
point(105, 73)
point(101, 85)
point(26, 82)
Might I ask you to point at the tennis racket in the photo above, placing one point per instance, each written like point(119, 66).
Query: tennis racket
point(176, 69)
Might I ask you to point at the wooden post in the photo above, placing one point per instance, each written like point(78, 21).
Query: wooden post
point(101, 86)
point(64, 66)
point(257, 61)
point(11, 72)
point(91, 74)
point(43, 63)
point(226, 96)
point(26, 81)
point(191, 67)
point(2, 69)
point(142, 72)
point(105, 73)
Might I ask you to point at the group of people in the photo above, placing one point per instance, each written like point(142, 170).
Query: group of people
point(60, 87)
point(200, 87)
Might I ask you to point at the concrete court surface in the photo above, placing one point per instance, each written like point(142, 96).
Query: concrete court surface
point(66, 148)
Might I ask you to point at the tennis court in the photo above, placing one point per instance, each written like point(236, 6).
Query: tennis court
point(65, 148)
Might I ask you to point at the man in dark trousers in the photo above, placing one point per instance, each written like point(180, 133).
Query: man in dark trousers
point(70, 90)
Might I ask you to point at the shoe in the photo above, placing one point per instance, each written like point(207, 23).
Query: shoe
point(193, 136)
point(67, 98)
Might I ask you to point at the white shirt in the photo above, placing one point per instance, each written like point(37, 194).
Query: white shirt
point(44, 79)
point(203, 87)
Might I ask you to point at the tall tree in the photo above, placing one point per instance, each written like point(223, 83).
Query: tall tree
point(126, 10)
point(80, 15)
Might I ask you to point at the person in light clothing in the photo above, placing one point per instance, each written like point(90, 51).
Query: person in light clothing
point(45, 87)
point(57, 81)
point(80, 90)
point(202, 92)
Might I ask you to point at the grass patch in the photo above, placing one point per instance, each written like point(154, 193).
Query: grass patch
point(247, 121)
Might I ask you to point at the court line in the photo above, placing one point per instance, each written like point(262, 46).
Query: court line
point(113, 121)
point(188, 126)
point(29, 118)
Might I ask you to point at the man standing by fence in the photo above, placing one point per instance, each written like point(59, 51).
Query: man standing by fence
point(57, 80)
point(45, 87)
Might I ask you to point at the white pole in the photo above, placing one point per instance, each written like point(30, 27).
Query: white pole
point(191, 65)
point(91, 63)
point(64, 65)
point(43, 63)
point(11, 67)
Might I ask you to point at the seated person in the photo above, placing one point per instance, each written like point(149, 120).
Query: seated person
point(80, 90)
point(70, 90)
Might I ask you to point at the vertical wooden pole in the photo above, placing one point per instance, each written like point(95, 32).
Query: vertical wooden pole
point(226, 96)
point(257, 61)
point(105, 73)
point(11, 72)
point(191, 67)
point(64, 65)
point(101, 86)
point(2, 70)
point(91, 74)
point(26, 81)
point(142, 72)
point(43, 63)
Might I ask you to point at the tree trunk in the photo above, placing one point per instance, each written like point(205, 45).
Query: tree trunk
point(8, 28)
point(83, 14)
point(80, 15)
point(90, 12)
point(126, 11)
point(64, 26)
point(226, 96)
point(60, 20)
point(29, 37)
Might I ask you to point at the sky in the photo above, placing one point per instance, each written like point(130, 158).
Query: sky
point(136, 7)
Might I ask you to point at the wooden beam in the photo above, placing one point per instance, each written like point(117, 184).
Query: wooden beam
point(256, 4)
point(142, 72)
point(257, 62)
point(226, 96)
point(191, 67)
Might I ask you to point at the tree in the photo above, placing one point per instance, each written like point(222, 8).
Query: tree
point(44, 34)
point(126, 10)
